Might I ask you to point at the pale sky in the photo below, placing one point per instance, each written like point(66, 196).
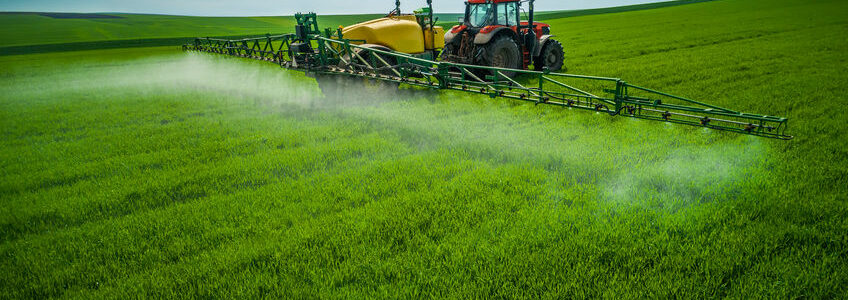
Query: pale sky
point(273, 7)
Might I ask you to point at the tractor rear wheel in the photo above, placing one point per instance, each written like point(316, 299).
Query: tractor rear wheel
point(447, 50)
point(502, 53)
point(552, 57)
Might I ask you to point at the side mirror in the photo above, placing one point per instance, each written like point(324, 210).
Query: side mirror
point(461, 20)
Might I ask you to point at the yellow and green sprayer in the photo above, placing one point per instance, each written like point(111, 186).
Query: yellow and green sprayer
point(497, 50)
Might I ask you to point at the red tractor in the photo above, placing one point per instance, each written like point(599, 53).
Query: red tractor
point(492, 34)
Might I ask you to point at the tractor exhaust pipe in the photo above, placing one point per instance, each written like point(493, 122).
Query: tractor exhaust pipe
point(530, 38)
point(430, 5)
point(532, 26)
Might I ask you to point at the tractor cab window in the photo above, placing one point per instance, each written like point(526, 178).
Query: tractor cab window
point(485, 14)
point(479, 15)
point(508, 14)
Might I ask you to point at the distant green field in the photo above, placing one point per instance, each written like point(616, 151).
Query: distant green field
point(17, 29)
point(452, 19)
point(550, 15)
point(25, 33)
point(153, 173)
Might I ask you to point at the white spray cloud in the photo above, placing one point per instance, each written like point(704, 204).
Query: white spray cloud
point(689, 174)
point(184, 72)
point(579, 149)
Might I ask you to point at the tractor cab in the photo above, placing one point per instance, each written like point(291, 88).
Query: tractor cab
point(493, 34)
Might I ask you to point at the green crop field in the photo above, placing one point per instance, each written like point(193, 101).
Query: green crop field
point(153, 173)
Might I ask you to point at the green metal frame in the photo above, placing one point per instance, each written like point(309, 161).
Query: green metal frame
point(331, 54)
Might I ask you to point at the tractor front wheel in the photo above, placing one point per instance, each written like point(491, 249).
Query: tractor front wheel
point(552, 57)
point(503, 53)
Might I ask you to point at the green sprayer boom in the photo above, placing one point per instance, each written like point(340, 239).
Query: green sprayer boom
point(328, 54)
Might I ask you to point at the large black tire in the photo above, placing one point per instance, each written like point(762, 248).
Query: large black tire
point(502, 53)
point(383, 70)
point(449, 49)
point(552, 57)
point(372, 58)
point(341, 90)
point(333, 86)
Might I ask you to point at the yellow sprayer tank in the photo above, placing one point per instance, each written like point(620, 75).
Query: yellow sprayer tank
point(399, 33)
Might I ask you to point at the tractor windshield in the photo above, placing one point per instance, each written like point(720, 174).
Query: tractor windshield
point(479, 15)
point(485, 14)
